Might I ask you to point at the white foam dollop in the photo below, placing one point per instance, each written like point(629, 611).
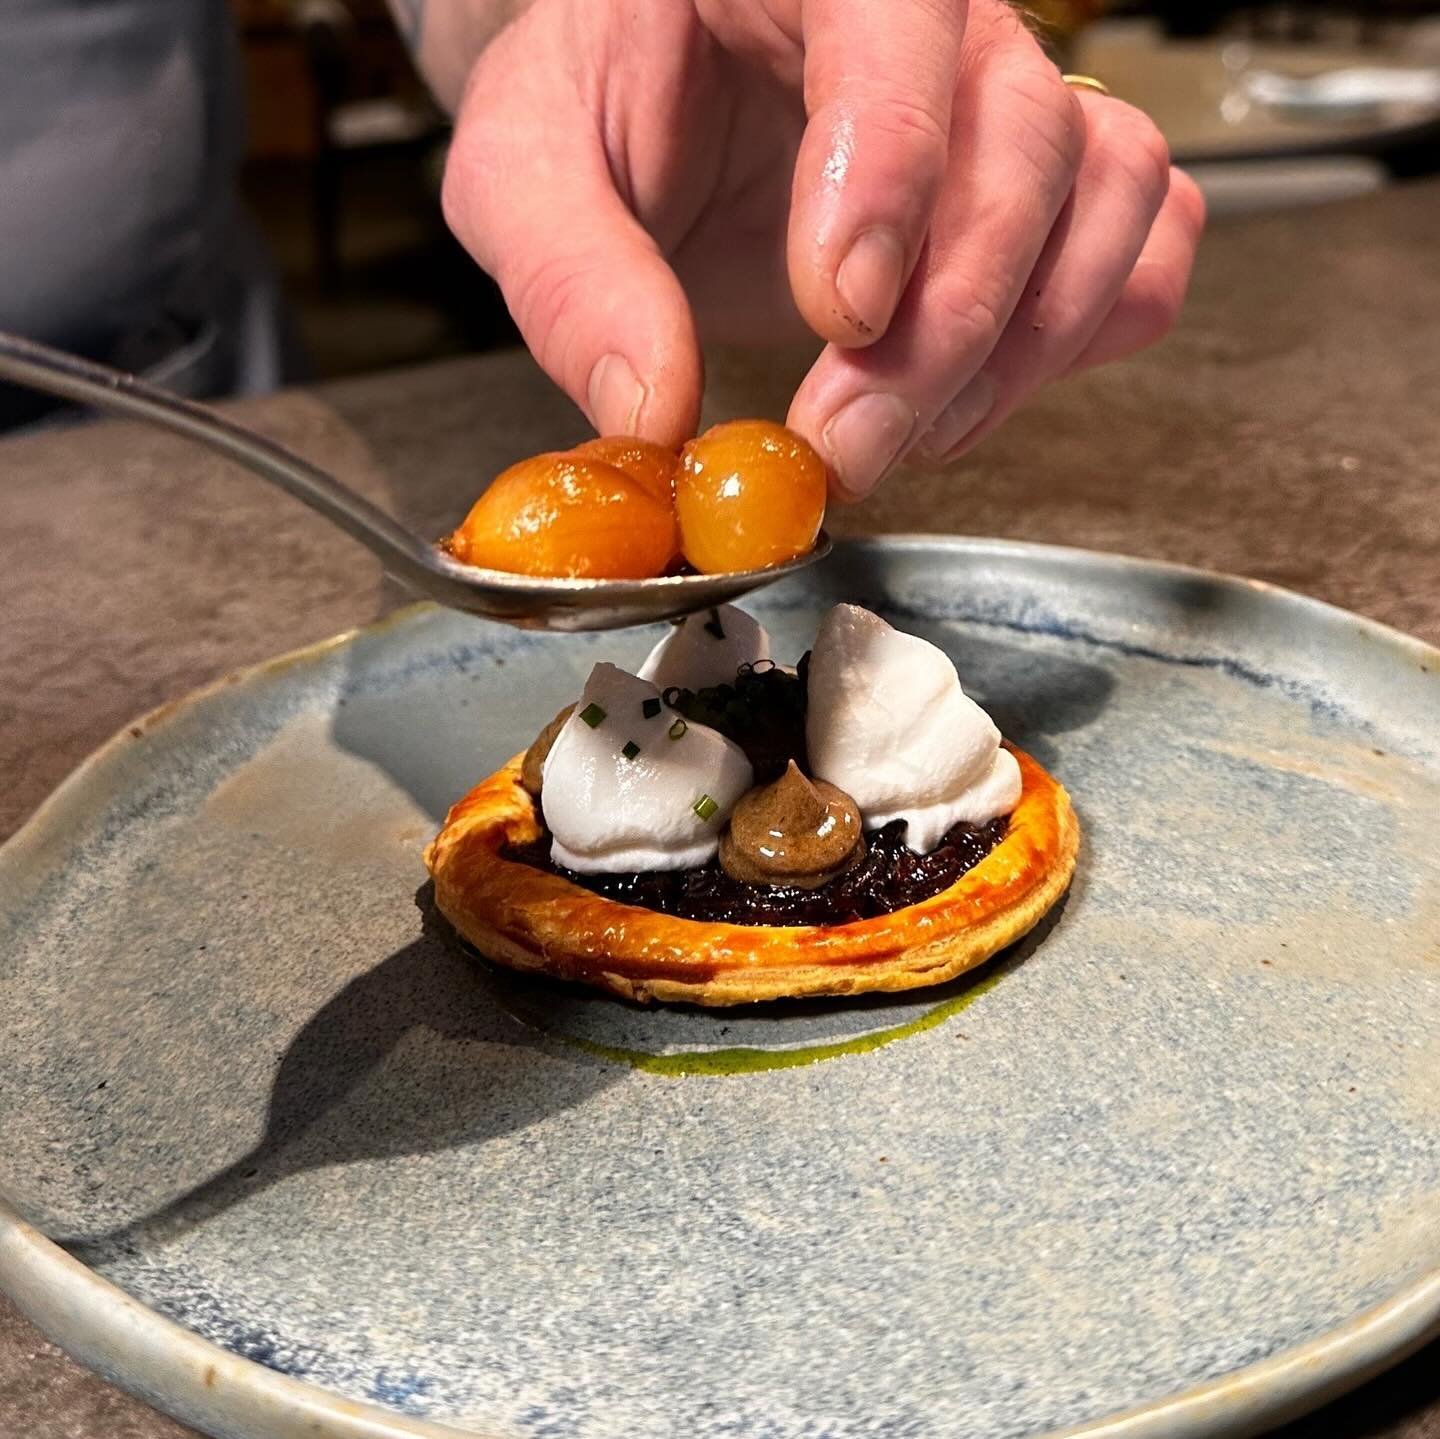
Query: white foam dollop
point(610, 812)
point(889, 723)
point(706, 649)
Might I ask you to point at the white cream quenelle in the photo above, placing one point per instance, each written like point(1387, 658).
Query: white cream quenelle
point(630, 786)
point(706, 648)
point(890, 725)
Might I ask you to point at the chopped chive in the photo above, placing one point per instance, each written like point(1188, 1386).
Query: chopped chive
point(650, 708)
point(631, 749)
point(678, 728)
point(592, 714)
point(705, 807)
point(673, 694)
point(713, 625)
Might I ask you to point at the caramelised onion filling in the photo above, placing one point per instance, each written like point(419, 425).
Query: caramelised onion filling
point(888, 878)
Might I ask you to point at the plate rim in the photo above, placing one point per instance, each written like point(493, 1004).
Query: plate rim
point(196, 1381)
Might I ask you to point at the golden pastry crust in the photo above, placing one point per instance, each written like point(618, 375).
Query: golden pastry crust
point(530, 919)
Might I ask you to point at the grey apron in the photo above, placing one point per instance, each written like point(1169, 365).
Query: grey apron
point(121, 234)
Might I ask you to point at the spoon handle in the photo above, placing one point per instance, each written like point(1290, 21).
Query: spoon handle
point(39, 367)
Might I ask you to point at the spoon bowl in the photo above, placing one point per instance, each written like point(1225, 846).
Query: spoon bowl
point(524, 600)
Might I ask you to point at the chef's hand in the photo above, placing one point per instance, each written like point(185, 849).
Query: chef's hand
point(912, 182)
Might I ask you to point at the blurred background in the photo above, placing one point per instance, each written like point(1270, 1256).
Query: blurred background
point(1271, 104)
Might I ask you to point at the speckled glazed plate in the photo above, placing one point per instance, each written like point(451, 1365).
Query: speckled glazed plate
point(1171, 1167)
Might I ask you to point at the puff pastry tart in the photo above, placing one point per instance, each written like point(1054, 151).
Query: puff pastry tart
point(822, 837)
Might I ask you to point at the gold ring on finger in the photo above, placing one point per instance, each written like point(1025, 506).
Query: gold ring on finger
point(1086, 82)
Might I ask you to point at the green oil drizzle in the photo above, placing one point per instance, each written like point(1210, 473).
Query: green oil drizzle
point(747, 1060)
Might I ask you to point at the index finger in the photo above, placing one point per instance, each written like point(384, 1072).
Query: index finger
point(1019, 139)
point(879, 87)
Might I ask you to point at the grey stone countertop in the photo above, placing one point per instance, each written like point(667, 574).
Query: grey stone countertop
point(1289, 431)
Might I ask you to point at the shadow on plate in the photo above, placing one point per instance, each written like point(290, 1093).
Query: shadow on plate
point(410, 1057)
point(435, 1048)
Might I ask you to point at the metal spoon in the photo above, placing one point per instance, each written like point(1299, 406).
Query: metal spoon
point(515, 599)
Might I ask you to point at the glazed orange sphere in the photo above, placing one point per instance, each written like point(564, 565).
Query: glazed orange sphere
point(565, 516)
point(645, 462)
point(748, 493)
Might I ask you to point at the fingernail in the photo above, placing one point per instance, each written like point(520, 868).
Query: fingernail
point(966, 411)
point(869, 279)
point(865, 437)
point(615, 396)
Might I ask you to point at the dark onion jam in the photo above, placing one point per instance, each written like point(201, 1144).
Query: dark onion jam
point(887, 879)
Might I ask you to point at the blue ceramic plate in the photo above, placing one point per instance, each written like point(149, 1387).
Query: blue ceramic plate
point(303, 1166)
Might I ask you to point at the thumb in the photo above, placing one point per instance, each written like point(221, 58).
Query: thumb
point(529, 192)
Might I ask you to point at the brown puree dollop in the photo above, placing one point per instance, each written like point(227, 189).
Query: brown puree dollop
point(793, 831)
